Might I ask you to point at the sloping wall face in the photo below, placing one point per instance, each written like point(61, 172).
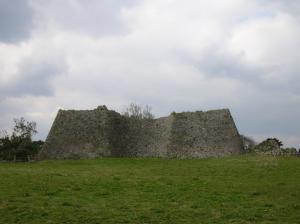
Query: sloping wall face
point(103, 132)
point(78, 134)
point(203, 134)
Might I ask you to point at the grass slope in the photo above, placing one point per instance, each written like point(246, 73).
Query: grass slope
point(243, 189)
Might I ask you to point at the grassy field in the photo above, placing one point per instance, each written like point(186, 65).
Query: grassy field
point(243, 189)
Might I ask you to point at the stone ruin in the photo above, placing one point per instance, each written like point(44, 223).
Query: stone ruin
point(102, 133)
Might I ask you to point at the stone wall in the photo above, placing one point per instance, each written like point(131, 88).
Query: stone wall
point(103, 132)
point(203, 134)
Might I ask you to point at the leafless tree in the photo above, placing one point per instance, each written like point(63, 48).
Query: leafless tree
point(138, 112)
point(147, 114)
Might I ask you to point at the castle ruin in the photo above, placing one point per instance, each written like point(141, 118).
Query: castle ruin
point(102, 132)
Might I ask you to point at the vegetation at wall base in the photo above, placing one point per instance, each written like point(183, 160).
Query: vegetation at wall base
point(273, 146)
point(238, 189)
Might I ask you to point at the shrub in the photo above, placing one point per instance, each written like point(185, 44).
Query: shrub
point(19, 146)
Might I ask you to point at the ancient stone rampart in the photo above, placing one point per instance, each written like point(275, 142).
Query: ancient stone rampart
point(203, 134)
point(103, 132)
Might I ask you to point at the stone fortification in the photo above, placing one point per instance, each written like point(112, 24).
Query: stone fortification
point(103, 132)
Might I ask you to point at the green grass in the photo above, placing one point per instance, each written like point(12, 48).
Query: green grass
point(243, 189)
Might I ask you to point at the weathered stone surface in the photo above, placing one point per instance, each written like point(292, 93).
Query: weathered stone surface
point(103, 132)
point(202, 134)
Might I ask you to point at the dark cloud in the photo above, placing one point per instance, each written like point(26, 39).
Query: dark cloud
point(35, 78)
point(16, 20)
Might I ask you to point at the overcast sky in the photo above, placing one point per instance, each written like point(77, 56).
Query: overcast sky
point(171, 54)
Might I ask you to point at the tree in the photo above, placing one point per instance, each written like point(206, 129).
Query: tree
point(5, 145)
point(138, 112)
point(19, 146)
point(23, 128)
point(276, 140)
point(134, 111)
point(147, 114)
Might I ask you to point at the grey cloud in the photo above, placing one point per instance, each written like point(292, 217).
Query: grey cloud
point(93, 17)
point(226, 65)
point(258, 106)
point(16, 20)
point(288, 6)
point(9, 111)
point(20, 108)
point(34, 78)
point(214, 64)
point(264, 107)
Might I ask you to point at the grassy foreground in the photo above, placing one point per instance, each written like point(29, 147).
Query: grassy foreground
point(243, 189)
